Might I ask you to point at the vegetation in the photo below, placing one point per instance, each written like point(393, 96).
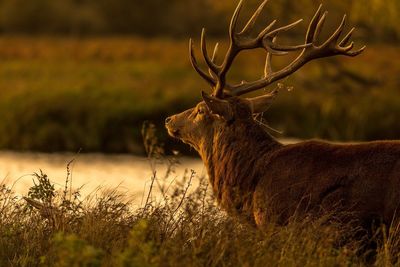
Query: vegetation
point(376, 19)
point(65, 94)
point(181, 227)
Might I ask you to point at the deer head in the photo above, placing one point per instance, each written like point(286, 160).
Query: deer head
point(224, 108)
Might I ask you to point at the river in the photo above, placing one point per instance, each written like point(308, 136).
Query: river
point(131, 174)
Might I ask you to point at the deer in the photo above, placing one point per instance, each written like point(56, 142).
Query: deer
point(255, 177)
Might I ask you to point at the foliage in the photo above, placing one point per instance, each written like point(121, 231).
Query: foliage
point(65, 94)
point(44, 190)
point(70, 250)
point(378, 19)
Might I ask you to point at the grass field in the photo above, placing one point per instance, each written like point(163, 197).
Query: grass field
point(60, 94)
point(57, 227)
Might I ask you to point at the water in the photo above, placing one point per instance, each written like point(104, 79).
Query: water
point(130, 174)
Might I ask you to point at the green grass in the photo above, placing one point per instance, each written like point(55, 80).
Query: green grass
point(60, 94)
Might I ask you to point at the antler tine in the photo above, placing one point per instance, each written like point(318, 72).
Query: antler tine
point(213, 59)
point(319, 26)
point(266, 29)
point(233, 24)
point(214, 68)
point(214, 56)
point(193, 61)
point(313, 24)
point(346, 39)
point(268, 65)
point(347, 48)
point(250, 24)
point(268, 62)
point(284, 28)
point(281, 50)
point(357, 52)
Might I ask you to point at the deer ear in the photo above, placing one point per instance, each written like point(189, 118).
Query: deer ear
point(218, 106)
point(260, 104)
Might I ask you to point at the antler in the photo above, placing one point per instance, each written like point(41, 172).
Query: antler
point(266, 39)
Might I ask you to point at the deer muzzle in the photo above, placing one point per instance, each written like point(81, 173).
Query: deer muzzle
point(172, 130)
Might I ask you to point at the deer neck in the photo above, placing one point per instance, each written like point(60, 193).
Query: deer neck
point(231, 158)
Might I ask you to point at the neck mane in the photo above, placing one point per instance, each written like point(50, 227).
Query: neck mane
point(231, 158)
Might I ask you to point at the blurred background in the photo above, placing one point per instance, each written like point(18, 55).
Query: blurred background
point(86, 74)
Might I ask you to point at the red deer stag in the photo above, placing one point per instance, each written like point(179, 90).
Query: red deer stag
point(254, 176)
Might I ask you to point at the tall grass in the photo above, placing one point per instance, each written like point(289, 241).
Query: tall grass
point(180, 226)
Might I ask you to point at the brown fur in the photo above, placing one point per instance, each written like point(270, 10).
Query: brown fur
point(255, 177)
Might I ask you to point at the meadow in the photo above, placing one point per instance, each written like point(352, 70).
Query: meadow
point(66, 94)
